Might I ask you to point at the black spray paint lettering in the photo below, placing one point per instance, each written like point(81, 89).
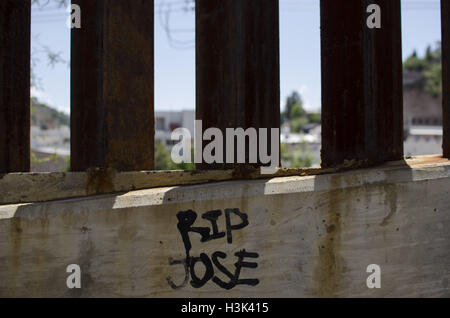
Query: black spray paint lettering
point(234, 279)
point(213, 216)
point(186, 220)
point(231, 227)
point(186, 273)
point(197, 282)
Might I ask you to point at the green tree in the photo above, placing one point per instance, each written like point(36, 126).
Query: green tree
point(162, 157)
point(294, 107)
point(433, 80)
point(429, 68)
point(296, 115)
point(297, 111)
point(315, 118)
point(298, 123)
point(163, 160)
point(297, 158)
point(414, 63)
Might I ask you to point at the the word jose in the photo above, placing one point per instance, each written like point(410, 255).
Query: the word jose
point(186, 220)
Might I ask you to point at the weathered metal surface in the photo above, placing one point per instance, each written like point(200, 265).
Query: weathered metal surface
point(308, 236)
point(237, 66)
point(445, 10)
point(15, 20)
point(361, 83)
point(112, 113)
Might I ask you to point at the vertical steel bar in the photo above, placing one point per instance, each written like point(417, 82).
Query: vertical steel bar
point(15, 28)
point(362, 97)
point(237, 66)
point(445, 13)
point(112, 110)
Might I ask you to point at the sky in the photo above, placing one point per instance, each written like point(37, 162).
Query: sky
point(175, 54)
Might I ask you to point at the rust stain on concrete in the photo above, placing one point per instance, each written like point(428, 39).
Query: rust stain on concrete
point(327, 270)
point(100, 181)
point(244, 171)
point(389, 201)
point(15, 237)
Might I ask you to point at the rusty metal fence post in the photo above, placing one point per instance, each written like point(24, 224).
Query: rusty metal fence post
point(112, 107)
point(237, 66)
point(15, 28)
point(362, 98)
point(445, 13)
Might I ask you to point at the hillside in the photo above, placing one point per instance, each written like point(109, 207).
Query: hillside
point(46, 117)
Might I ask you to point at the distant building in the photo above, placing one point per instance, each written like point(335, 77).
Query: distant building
point(421, 109)
point(168, 121)
point(51, 141)
point(422, 114)
point(50, 148)
point(423, 140)
point(312, 139)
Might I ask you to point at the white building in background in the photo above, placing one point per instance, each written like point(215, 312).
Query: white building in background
point(419, 139)
point(423, 140)
point(51, 141)
point(168, 121)
point(311, 139)
point(422, 114)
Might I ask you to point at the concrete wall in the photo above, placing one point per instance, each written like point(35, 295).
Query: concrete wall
point(310, 236)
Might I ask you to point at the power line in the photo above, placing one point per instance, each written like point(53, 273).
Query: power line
point(164, 21)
